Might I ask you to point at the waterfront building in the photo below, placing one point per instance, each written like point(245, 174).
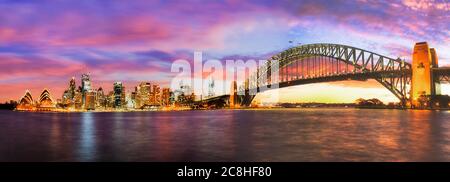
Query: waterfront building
point(155, 95)
point(46, 101)
point(179, 95)
point(142, 97)
point(165, 97)
point(77, 100)
point(26, 102)
point(68, 96)
point(66, 99)
point(119, 95)
point(130, 102)
point(85, 87)
point(72, 88)
point(172, 98)
point(110, 99)
point(100, 99)
point(90, 100)
point(123, 97)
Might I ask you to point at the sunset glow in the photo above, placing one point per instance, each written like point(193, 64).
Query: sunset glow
point(43, 46)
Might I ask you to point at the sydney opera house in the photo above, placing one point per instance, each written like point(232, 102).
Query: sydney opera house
point(44, 103)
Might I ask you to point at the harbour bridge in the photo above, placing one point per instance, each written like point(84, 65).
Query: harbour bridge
point(316, 63)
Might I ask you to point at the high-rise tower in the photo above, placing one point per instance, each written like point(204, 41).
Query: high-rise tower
point(118, 94)
point(72, 88)
point(85, 87)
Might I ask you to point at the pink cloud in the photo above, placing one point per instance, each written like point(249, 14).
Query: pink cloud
point(427, 5)
point(16, 66)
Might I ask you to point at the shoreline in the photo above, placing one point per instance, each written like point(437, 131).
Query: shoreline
point(190, 109)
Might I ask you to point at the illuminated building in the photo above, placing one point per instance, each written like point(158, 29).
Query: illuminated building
point(422, 83)
point(172, 98)
point(78, 99)
point(123, 97)
point(85, 87)
point(46, 101)
point(130, 101)
point(142, 97)
point(100, 99)
point(155, 95)
point(72, 88)
point(66, 100)
point(233, 95)
point(180, 94)
point(69, 94)
point(110, 99)
point(90, 100)
point(133, 97)
point(119, 95)
point(165, 97)
point(26, 102)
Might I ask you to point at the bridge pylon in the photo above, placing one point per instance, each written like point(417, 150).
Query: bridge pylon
point(234, 103)
point(423, 83)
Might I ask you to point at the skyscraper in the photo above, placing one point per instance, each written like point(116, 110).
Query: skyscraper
point(85, 87)
point(68, 97)
point(72, 88)
point(100, 99)
point(155, 95)
point(143, 94)
point(118, 92)
point(90, 100)
point(165, 97)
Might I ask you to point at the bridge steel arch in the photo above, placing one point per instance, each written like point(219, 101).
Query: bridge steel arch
point(393, 74)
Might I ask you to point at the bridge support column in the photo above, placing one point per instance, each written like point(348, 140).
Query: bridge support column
point(423, 85)
point(436, 85)
point(233, 95)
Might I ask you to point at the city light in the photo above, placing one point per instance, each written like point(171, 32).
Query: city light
point(145, 96)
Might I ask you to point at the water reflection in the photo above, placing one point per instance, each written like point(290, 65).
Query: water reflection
point(163, 135)
point(227, 135)
point(87, 137)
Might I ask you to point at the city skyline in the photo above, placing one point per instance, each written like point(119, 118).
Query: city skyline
point(84, 97)
point(44, 46)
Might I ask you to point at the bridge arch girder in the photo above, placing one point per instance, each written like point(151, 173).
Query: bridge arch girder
point(394, 74)
point(360, 58)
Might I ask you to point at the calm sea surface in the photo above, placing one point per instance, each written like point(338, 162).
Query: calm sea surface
point(227, 135)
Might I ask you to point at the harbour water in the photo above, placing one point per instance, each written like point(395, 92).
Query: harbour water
point(319, 134)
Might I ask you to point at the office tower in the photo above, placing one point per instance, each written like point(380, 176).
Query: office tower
point(90, 100)
point(142, 94)
point(118, 90)
point(165, 97)
point(85, 87)
point(72, 88)
point(155, 95)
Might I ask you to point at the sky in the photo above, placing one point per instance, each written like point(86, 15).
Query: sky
point(44, 43)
